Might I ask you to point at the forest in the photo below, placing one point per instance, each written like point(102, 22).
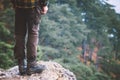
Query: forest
point(81, 35)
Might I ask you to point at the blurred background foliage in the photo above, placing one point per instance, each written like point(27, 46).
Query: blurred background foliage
point(81, 35)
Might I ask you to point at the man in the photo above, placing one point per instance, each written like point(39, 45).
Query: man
point(27, 16)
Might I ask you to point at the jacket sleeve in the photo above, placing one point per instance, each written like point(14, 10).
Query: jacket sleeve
point(44, 2)
point(13, 1)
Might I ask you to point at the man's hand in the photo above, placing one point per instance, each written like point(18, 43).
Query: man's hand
point(44, 10)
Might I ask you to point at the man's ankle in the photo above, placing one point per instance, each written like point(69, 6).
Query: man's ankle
point(33, 67)
point(22, 66)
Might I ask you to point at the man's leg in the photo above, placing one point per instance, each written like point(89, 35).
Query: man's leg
point(20, 33)
point(32, 43)
point(33, 28)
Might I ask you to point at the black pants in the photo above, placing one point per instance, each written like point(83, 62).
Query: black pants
point(26, 33)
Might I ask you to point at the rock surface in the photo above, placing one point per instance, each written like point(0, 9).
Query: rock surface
point(53, 71)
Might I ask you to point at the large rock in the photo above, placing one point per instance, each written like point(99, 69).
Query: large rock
point(53, 71)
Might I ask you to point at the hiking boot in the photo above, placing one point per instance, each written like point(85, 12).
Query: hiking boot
point(21, 67)
point(33, 67)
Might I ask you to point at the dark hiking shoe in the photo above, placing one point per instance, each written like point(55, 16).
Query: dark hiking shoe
point(33, 67)
point(22, 67)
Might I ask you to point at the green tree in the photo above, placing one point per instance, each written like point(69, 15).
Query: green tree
point(6, 35)
point(62, 30)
